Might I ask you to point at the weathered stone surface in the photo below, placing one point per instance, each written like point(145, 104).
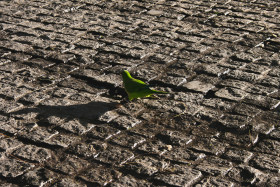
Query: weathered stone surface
point(207, 79)
point(125, 122)
point(174, 81)
point(269, 147)
point(238, 155)
point(245, 174)
point(154, 12)
point(63, 92)
point(205, 132)
point(114, 155)
point(269, 81)
point(52, 102)
point(8, 184)
point(159, 104)
point(270, 117)
point(128, 140)
point(15, 92)
point(146, 130)
point(175, 138)
point(97, 175)
point(38, 177)
point(275, 133)
point(9, 106)
point(76, 126)
point(274, 72)
point(206, 113)
point(10, 167)
point(256, 68)
point(62, 140)
point(209, 145)
point(8, 144)
point(146, 166)
point(231, 94)
point(265, 161)
point(12, 67)
point(68, 182)
point(35, 133)
point(212, 69)
point(183, 155)
point(243, 76)
point(243, 57)
point(215, 181)
point(155, 147)
point(71, 165)
point(261, 90)
point(187, 178)
point(238, 122)
point(87, 150)
point(82, 97)
point(269, 181)
point(109, 79)
point(129, 180)
point(262, 101)
point(130, 108)
point(33, 153)
point(108, 116)
point(199, 86)
point(103, 131)
point(238, 84)
point(35, 97)
point(246, 110)
point(241, 139)
point(215, 166)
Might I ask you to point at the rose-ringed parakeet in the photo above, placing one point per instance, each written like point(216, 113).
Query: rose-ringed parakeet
point(136, 88)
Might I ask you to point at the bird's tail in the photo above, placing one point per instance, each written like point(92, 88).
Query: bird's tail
point(159, 92)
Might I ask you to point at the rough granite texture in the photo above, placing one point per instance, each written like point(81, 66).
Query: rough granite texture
point(65, 119)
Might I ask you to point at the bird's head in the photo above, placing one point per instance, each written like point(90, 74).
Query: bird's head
point(126, 74)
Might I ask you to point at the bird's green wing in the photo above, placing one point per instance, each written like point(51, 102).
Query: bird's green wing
point(131, 84)
point(135, 85)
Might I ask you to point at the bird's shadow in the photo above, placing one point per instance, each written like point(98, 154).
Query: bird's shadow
point(89, 112)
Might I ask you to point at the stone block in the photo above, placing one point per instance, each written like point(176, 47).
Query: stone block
point(146, 166)
point(215, 166)
point(114, 155)
point(33, 153)
point(11, 167)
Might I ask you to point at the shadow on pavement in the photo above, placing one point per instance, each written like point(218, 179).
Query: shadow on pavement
point(90, 111)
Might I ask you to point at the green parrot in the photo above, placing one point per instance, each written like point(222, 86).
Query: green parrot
point(136, 88)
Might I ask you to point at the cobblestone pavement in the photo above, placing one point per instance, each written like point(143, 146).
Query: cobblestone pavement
point(65, 119)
